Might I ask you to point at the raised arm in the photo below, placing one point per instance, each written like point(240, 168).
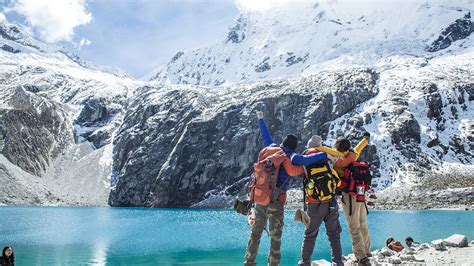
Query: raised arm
point(361, 145)
point(264, 132)
point(298, 159)
point(331, 151)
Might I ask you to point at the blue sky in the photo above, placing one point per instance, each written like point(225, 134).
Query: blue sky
point(136, 35)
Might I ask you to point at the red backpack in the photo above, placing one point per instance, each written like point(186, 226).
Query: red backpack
point(357, 180)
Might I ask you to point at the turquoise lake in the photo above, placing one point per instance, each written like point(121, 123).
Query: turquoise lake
point(126, 236)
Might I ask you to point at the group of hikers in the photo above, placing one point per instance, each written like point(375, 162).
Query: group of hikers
point(7, 258)
point(329, 174)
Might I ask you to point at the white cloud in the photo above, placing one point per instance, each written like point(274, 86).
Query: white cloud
point(83, 42)
point(2, 17)
point(261, 5)
point(54, 20)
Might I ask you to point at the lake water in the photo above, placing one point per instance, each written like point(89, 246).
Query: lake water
point(126, 236)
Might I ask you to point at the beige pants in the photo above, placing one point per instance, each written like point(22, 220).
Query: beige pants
point(357, 224)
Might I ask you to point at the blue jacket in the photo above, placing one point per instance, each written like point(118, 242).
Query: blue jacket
point(296, 159)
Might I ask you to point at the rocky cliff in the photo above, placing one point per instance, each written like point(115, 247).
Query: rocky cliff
point(76, 134)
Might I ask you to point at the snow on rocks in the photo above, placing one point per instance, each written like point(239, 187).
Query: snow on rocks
point(436, 253)
point(438, 244)
point(456, 241)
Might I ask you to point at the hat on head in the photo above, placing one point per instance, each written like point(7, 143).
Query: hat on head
point(290, 142)
point(314, 141)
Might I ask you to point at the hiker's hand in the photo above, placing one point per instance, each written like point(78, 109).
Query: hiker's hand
point(259, 114)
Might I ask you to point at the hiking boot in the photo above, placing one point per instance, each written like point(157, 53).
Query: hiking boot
point(364, 261)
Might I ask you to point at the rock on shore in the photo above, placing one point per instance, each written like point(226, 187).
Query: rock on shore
point(454, 250)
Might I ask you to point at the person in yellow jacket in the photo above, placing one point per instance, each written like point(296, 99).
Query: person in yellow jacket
point(354, 212)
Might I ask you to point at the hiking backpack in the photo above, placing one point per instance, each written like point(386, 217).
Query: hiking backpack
point(262, 187)
point(320, 182)
point(357, 180)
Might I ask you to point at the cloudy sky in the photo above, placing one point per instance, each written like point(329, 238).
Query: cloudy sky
point(136, 35)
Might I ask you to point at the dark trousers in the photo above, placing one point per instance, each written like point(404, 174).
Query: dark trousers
point(319, 212)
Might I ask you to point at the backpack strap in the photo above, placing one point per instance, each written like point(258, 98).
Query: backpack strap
point(305, 206)
point(350, 205)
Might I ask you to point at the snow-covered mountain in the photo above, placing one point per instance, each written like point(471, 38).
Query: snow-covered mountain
point(301, 36)
point(401, 70)
point(52, 105)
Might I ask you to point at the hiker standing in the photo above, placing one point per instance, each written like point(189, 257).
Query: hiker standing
point(353, 198)
point(320, 185)
point(269, 205)
point(7, 258)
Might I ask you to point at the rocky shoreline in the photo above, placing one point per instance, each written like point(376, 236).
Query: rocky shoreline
point(454, 250)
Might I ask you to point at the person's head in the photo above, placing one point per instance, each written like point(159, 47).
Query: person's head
point(409, 241)
point(314, 141)
point(389, 240)
point(342, 145)
point(290, 142)
point(7, 252)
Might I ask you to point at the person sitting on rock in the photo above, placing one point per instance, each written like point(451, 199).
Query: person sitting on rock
point(410, 243)
point(393, 244)
point(274, 216)
point(7, 258)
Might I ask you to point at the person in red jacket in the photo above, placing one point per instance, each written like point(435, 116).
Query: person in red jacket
point(355, 211)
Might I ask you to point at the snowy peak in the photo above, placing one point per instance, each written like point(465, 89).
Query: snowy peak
point(289, 39)
point(15, 40)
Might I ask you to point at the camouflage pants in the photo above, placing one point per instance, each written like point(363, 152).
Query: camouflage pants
point(274, 216)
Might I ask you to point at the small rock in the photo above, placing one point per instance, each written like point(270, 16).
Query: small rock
point(456, 240)
point(409, 251)
point(320, 263)
point(407, 257)
point(387, 252)
point(394, 260)
point(419, 259)
point(438, 244)
point(424, 246)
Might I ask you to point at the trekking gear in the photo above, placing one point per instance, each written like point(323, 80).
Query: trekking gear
point(263, 186)
point(320, 182)
point(371, 199)
point(243, 206)
point(395, 245)
point(364, 261)
point(357, 180)
point(302, 217)
point(251, 217)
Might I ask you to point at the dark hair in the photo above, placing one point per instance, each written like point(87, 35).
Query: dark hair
point(389, 240)
point(7, 260)
point(342, 145)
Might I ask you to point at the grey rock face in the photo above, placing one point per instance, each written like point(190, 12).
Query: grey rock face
point(237, 32)
point(34, 130)
point(459, 29)
point(9, 49)
point(179, 143)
